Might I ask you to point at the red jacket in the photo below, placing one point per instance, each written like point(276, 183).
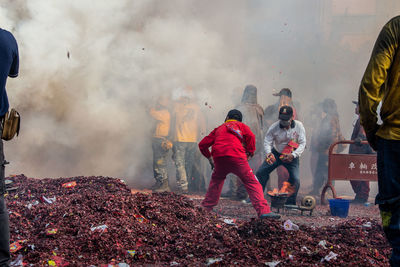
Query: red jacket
point(233, 139)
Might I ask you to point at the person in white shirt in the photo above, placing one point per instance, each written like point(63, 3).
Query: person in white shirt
point(283, 144)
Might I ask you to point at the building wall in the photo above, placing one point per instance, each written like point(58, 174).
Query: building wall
point(355, 23)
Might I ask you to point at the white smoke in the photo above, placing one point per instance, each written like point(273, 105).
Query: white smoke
point(90, 69)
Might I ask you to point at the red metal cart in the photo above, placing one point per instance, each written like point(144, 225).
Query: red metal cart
point(346, 167)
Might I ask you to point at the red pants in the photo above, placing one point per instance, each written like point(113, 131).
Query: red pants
point(361, 188)
point(239, 167)
point(254, 163)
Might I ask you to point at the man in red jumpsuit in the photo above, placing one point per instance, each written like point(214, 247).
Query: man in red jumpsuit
point(232, 144)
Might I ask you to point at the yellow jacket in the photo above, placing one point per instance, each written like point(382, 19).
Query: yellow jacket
point(163, 121)
point(381, 82)
point(189, 122)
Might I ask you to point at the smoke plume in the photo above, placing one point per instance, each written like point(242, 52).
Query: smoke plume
point(89, 70)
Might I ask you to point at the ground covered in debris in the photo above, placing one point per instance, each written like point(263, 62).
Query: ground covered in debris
point(96, 221)
point(320, 215)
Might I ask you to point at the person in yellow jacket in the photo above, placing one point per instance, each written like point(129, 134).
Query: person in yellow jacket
point(160, 144)
point(381, 83)
point(188, 123)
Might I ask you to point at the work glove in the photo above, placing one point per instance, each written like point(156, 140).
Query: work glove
point(210, 159)
point(166, 144)
point(372, 140)
point(270, 159)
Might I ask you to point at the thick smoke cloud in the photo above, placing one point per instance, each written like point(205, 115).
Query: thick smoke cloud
point(90, 69)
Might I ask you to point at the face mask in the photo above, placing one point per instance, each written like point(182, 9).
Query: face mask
point(292, 124)
point(284, 124)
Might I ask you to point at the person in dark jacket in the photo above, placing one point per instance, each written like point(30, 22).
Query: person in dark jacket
point(232, 144)
point(9, 66)
point(360, 188)
point(328, 133)
point(381, 84)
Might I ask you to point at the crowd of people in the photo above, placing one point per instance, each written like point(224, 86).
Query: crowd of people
point(252, 142)
point(180, 124)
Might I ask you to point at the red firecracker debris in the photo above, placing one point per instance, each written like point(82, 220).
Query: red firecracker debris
point(99, 222)
point(69, 184)
point(14, 247)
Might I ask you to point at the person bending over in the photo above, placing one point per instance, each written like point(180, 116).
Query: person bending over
point(232, 145)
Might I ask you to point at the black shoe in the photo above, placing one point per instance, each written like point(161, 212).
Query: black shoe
point(270, 215)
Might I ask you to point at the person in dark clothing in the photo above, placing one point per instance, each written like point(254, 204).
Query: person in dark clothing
point(360, 188)
point(328, 133)
point(9, 66)
point(381, 84)
point(272, 111)
point(232, 144)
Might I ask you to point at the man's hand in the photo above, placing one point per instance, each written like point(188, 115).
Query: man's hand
point(270, 159)
point(210, 159)
point(372, 140)
point(287, 158)
point(166, 144)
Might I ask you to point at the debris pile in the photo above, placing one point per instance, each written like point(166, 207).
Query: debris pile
point(96, 221)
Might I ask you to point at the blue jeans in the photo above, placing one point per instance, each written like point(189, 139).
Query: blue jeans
point(292, 167)
point(183, 153)
point(388, 198)
point(160, 161)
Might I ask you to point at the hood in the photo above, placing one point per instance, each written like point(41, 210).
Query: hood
point(329, 106)
point(250, 94)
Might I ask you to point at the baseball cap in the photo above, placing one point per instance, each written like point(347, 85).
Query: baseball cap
point(284, 91)
point(285, 113)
